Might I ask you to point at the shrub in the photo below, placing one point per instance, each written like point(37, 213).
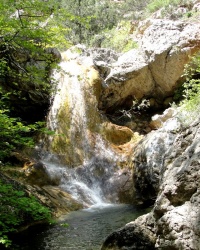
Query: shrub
point(14, 135)
point(190, 105)
point(17, 209)
point(119, 38)
point(165, 4)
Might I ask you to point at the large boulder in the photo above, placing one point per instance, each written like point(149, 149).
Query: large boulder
point(135, 235)
point(155, 68)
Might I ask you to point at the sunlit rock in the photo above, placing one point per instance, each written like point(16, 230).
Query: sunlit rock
point(129, 76)
point(155, 68)
point(148, 158)
point(158, 120)
point(117, 135)
point(74, 111)
point(59, 201)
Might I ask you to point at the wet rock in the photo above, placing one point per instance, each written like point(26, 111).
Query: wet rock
point(59, 201)
point(109, 180)
point(119, 187)
point(36, 174)
point(69, 115)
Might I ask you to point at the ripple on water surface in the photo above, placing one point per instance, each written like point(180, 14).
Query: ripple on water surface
point(86, 231)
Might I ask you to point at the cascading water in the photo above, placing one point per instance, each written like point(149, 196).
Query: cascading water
point(74, 182)
point(90, 164)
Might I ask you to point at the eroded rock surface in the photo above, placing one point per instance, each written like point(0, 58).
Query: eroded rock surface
point(177, 207)
point(148, 160)
point(155, 68)
point(167, 167)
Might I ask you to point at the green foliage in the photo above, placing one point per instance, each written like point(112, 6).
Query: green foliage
point(192, 84)
point(166, 5)
point(14, 134)
point(18, 209)
point(158, 4)
point(88, 18)
point(64, 224)
point(119, 38)
point(28, 29)
point(132, 9)
point(190, 105)
point(30, 24)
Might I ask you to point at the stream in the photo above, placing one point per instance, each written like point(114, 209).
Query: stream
point(79, 230)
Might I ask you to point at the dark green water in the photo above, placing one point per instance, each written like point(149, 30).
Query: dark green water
point(86, 231)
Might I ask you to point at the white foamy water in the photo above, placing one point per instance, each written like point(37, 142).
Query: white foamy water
point(77, 183)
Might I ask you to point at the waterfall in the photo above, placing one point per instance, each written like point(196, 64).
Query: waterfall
point(88, 167)
point(68, 114)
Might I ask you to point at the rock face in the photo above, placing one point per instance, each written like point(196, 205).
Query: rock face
point(75, 115)
point(58, 201)
point(155, 68)
point(158, 120)
point(148, 160)
point(172, 174)
point(177, 208)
